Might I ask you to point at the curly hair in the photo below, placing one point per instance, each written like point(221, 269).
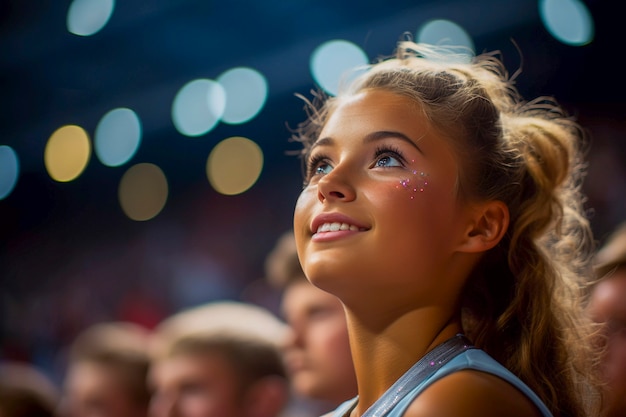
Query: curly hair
point(522, 303)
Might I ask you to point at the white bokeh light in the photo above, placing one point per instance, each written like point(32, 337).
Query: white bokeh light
point(117, 137)
point(87, 17)
point(446, 33)
point(9, 170)
point(246, 93)
point(569, 21)
point(198, 107)
point(336, 62)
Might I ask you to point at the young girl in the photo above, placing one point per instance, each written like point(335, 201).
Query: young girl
point(445, 213)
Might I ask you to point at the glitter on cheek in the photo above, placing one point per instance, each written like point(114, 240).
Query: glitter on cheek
point(416, 184)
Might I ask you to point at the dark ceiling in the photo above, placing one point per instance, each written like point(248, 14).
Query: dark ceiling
point(148, 50)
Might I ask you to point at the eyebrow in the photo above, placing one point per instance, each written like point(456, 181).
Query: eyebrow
point(373, 137)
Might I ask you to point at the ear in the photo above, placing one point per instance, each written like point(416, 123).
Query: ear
point(489, 222)
point(267, 397)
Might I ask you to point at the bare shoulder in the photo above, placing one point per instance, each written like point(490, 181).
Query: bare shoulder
point(470, 393)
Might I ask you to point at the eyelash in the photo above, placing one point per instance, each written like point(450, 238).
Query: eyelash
point(381, 151)
point(313, 163)
point(389, 150)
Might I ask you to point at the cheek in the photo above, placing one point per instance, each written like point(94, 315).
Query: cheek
point(301, 212)
point(302, 217)
point(414, 184)
point(418, 215)
point(341, 344)
point(298, 216)
point(424, 197)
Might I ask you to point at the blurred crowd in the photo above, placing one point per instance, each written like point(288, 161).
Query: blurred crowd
point(240, 358)
point(283, 352)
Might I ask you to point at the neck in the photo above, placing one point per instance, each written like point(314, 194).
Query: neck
point(386, 344)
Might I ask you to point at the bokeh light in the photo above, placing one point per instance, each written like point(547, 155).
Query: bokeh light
point(9, 170)
point(234, 165)
point(143, 191)
point(198, 107)
point(246, 93)
point(67, 153)
point(336, 62)
point(569, 21)
point(87, 17)
point(117, 137)
point(447, 33)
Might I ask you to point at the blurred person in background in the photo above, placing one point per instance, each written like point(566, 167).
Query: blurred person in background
point(317, 349)
point(25, 391)
point(607, 305)
point(107, 372)
point(219, 359)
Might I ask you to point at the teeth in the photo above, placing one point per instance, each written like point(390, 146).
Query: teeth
point(333, 227)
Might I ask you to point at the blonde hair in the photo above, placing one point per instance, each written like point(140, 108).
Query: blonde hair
point(522, 304)
point(120, 346)
point(247, 336)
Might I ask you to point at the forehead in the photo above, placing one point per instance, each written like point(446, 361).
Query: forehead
point(86, 380)
point(387, 110)
point(207, 366)
point(361, 116)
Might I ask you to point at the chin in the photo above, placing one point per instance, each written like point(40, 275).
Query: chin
point(322, 281)
point(317, 270)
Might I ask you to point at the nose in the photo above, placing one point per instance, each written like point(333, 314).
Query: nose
point(293, 337)
point(337, 185)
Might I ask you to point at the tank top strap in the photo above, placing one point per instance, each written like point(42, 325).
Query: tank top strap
point(422, 369)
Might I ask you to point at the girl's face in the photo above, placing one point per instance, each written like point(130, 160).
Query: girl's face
point(380, 208)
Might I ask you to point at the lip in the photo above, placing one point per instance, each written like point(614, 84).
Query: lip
point(335, 218)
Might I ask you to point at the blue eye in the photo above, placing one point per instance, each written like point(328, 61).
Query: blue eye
point(322, 169)
point(318, 165)
point(388, 161)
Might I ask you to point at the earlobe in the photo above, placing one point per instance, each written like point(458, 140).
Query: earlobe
point(490, 223)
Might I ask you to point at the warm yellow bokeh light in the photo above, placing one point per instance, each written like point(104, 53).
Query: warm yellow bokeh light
point(67, 153)
point(234, 165)
point(143, 191)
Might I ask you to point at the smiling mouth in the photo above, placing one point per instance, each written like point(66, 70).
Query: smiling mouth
point(336, 226)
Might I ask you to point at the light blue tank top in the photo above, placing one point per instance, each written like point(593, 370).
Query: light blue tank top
point(475, 359)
